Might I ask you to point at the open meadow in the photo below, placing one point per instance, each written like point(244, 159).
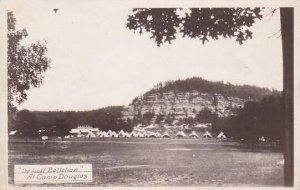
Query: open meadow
point(157, 162)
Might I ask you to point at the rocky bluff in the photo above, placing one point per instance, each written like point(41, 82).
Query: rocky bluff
point(183, 99)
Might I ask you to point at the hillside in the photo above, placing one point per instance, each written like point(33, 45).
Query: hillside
point(183, 100)
point(190, 102)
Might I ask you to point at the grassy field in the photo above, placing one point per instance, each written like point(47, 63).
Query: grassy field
point(157, 162)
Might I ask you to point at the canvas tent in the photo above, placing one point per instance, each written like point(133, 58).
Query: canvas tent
point(91, 134)
point(109, 132)
point(221, 136)
point(207, 134)
point(157, 134)
point(128, 135)
point(166, 135)
point(193, 134)
point(262, 139)
point(180, 134)
point(140, 134)
point(152, 135)
point(114, 134)
point(134, 134)
point(104, 134)
point(121, 133)
point(13, 132)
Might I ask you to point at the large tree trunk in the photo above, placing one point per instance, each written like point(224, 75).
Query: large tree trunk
point(287, 33)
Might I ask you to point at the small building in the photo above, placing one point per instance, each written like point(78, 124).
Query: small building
point(84, 131)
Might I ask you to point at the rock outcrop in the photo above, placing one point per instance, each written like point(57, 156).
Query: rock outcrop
point(182, 104)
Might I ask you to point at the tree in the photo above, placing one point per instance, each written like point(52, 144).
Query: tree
point(26, 123)
point(201, 23)
point(26, 64)
point(61, 128)
point(212, 23)
point(205, 116)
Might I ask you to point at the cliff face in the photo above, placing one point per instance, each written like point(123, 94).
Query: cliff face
point(182, 104)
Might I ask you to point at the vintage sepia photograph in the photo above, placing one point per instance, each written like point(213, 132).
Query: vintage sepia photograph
point(101, 94)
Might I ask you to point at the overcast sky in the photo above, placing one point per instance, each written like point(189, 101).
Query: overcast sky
point(98, 62)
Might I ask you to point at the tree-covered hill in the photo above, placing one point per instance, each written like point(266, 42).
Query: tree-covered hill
point(205, 86)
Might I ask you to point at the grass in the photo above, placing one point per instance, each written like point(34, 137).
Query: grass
point(157, 162)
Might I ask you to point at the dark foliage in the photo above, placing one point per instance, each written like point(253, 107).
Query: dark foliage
point(201, 23)
point(206, 116)
point(256, 119)
point(26, 65)
point(59, 123)
point(26, 124)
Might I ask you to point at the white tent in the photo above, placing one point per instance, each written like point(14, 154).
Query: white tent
point(104, 134)
point(143, 133)
point(158, 134)
point(128, 135)
point(98, 133)
point(140, 134)
point(262, 139)
point(166, 135)
point(193, 134)
point(180, 134)
point(207, 134)
point(134, 134)
point(114, 134)
point(221, 136)
point(109, 132)
point(44, 137)
point(91, 134)
point(121, 133)
point(13, 132)
point(152, 134)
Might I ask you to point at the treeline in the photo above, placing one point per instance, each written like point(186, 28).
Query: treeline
point(205, 86)
point(256, 119)
point(60, 122)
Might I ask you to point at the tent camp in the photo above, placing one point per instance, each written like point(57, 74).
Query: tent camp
point(180, 134)
point(193, 135)
point(166, 135)
point(221, 136)
point(207, 134)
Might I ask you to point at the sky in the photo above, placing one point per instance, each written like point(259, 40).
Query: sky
point(98, 62)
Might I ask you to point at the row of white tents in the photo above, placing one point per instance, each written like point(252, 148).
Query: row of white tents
point(142, 134)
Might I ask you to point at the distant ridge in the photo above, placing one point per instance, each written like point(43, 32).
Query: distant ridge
point(204, 86)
